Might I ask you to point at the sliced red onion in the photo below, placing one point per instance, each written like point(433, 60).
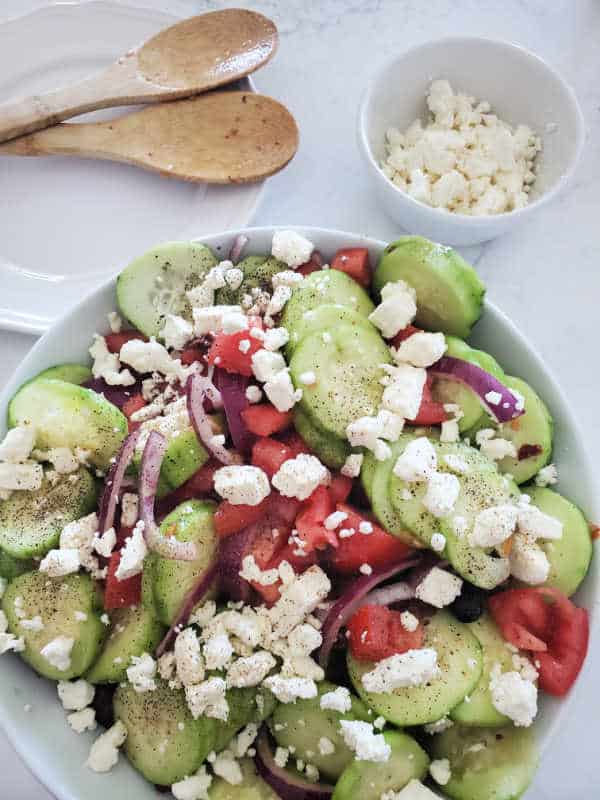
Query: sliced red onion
point(233, 392)
point(165, 546)
point(198, 387)
point(482, 383)
point(286, 784)
point(237, 247)
point(117, 395)
point(191, 600)
point(387, 595)
point(351, 600)
point(317, 258)
point(114, 482)
point(231, 554)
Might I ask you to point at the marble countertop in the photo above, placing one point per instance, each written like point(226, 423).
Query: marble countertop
point(545, 276)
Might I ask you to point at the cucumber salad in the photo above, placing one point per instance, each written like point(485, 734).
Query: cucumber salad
point(288, 535)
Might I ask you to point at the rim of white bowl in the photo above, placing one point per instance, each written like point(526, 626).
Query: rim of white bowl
point(436, 213)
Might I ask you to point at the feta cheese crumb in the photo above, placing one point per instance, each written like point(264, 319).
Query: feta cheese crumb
point(242, 484)
point(133, 554)
point(107, 366)
point(208, 699)
point(439, 769)
point(513, 696)
point(176, 332)
point(403, 391)
point(291, 248)
point(280, 391)
point(528, 562)
point(308, 378)
point(334, 520)
point(115, 322)
point(24, 477)
point(75, 695)
point(299, 477)
point(104, 753)
point(494, 525)
point(326, 746)
point(442, 493)
point(250, 671)
point(188, 659)
point(337, 700)
point(58, 652)
point(538, 525)
point(288, 690)
point(547, 476)
point(253, 394)
point(84, 720)
point(299, 599)
point(57, 563)
point(141, 673)
point(276, 338)
point(409, 622)
point(412, 668)
point(417, 462)
point(421, 349)
point(397, 309)
point(439, 726)
point(18, 443)
point(226, 767)
point(282, 755)
point(360, 737)
point(439, 588)
point(438, 542)
point(194, 788)
point(352, 465)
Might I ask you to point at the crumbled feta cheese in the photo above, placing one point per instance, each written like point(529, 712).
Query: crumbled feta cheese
point(188, 659)
point(107, 366)
point(439, 769)
point(360, 737)
point(513, 696)
point(129, 509)
point(409, 622)
point(133, 554)
point(287, 277)
point(299, 477)
point(334, 520)
point(403, 391)
point(450, 432)
point(497, 449)
point(277, 302)
point(365, 527)
point(438, 542)
point(364, 432)
point(251, 572)
point(208, 699)
point(105, 544)
point(253, 394)
point(234, 322)
point(151, 356)
point(299, 599)
point(365, 569)
point(115, 322)
point(58, 652)
point(57, 563)
point(288, 690)
point(176, 332)
point(493, 398)
point(352, 465)
point(528, 562)
point(266, 364)
point(242, 484)
point(337, 700)
point(412, 668)
point(82, 721)
point(442, 493)
point(226, 767)
point(291, 248)
point(281, 757)
point(34, 624)
point(250, 671)
point(18, 443)
point(538, 525)
point(439, 726)
point(234, 278)
point(104, 753)
point(418, 461)
point(25, 477)
point(276, 338)
point(456, 463)
point(414, 790)
point(421, 349)
point(308, 378)
point(547, 476)
point(194, 788)
point(75, 695)
point(439, 588)
point(326, 746)
point(493, 526)
point(200, 296)
point(397, 309)
point(280, 391)
point(142, 672)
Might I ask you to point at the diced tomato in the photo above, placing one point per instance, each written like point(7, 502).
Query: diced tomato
point(340, 488)
point(309, 523)
point(269, 454)
point(265, 419)
point(430, 412)
point(354, 261)
point(298, 560)
point(314, 264)
point(295, 443)
point(129, 407)
point(405, 333)
point(191, 354)
point(378, 549)
point(225, 350)
point(121, 594)
point(546, 622)
point(230, 518)
point(115, 341)
point(376, 632)
point(124, 532)
point(200, 484)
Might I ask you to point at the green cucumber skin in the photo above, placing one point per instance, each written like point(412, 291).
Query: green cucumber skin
point(258, 274)
point(155, 745)
point(190, 521)
point(534, 427)
point(141, 634)
point(460, 660)
point(449, 291)
point(502, 770)
point(243, 709)
point(386, 514)
point(179, 266)
point(287, 731)
point(69, 373)
point(66, 415)
point(366, 780)
point(324, 318)
point(10, 566)
point(183, 457)
point(331, 450)
point(569, 556)
point(56, 606)
point(31, 522)
point(252, 787)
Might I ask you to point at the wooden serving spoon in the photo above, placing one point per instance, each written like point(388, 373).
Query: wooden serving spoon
point(220, 137)
point(191, 56)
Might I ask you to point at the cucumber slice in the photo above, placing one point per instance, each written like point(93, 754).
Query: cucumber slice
point(445, 390)
point(252, 786)
point(164, 742)
point(155, 283)
point(258, 274)
point(317, 723)
point(449, 291)
point(569, 556)
point(367, 780)
point(133, 631)
point(56, 602)
point(183, 457)
point(10, 566)
point(31, 522)
point(531, 434)
point(245, 705)
point(332, 450)
point(460, 662)
point(500, 770)
point(480, 710)
point(69, 373)
point(325, 287)
point(324, 318)
point(70, 416)
point(191, 521)
point(348, 370)
point(367, 470)
point(386, 514)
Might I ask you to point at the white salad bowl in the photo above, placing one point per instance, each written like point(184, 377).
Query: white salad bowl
point(521, 88)
point(41, 735)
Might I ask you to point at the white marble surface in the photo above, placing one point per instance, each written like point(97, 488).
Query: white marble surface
point(546, 276)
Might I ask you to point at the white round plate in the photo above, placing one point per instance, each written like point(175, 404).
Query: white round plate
point(66, 223)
